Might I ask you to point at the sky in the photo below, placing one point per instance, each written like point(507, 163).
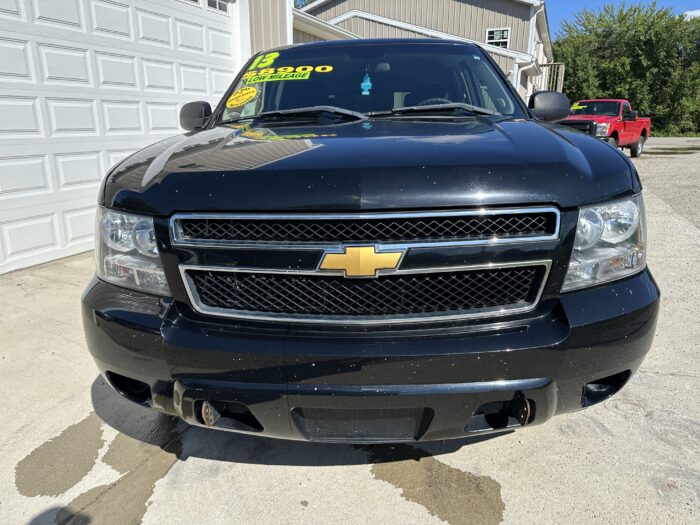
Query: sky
point(560, 10)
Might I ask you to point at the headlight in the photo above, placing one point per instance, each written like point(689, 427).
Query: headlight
point(601, 130)
point(610, 244)
point(127, 252)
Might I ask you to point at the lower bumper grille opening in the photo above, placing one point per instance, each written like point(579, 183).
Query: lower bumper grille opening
point(398, 295)
point(136, 391)
point(363, 425)
point(229, 415)
point(601, 389)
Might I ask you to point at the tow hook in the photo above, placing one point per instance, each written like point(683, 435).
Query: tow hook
point(520, 409)
point(209, 414)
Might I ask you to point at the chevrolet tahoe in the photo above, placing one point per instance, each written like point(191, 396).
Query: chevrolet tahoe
point(371, 241)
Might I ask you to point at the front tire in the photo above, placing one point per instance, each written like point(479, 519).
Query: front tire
point(613, 142)
point(637, 149)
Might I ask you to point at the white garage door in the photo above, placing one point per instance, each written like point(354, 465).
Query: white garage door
point(83, 83)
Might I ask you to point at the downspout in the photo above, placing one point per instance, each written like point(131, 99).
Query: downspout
point(532, 64)
point(531, 43)
point(290, 21)
point(533, 28)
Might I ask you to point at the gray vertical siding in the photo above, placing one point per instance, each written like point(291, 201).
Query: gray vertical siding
point(506, 64)
point(302, 37)
point(371, 29)
point(268, 24)
point(463, 18)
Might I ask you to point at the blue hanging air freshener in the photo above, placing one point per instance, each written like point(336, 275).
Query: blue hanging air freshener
point(366, 84)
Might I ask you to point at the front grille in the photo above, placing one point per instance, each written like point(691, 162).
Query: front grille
point(329, 297)
point(587, 126)
point(397, 228)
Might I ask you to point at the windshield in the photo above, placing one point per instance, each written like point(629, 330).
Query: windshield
point(588, 107)
point(369, 78)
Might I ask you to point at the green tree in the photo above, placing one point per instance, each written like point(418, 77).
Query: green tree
point(643, 53)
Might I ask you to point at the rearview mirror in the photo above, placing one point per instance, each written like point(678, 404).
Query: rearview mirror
point(194, 115)
point(549, 106)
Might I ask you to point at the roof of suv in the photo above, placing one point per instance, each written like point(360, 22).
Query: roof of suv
point(366, 41)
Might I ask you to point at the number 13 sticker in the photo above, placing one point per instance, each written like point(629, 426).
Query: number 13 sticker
point(264, 61)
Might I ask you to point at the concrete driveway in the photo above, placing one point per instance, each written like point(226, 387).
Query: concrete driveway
point(72, 451)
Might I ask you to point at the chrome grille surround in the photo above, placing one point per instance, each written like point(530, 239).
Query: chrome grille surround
point(178, 239)
point(200, 306)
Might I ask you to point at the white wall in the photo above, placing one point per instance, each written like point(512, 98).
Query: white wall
point(83, 84)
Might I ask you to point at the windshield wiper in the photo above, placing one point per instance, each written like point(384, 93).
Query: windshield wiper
point(315, 112)
point(453, 107)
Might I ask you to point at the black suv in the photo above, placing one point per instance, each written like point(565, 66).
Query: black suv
point(371, 241)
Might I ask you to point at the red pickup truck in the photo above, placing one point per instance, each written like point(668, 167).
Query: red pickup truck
point(615, 122)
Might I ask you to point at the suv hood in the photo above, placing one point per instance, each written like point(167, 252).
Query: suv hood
point(372, 165)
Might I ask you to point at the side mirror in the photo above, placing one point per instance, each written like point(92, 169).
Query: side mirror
point(194, 115)
point(549, 106)
point(632, 115)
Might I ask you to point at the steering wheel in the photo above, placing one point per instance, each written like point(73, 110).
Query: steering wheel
point(434, 101)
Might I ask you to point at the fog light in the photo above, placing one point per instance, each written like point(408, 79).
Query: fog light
point(601, 389)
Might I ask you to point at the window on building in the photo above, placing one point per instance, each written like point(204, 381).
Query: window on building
point(219, 5)
point(498, 37)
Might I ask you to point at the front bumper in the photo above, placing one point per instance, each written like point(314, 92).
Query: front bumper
point(370, 385)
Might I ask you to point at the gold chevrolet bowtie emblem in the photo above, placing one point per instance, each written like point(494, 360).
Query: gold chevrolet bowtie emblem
point(360, 261)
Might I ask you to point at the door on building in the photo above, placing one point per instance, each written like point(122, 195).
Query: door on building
point(83, 84)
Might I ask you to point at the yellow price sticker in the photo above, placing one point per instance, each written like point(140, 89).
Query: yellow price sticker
point(577, 107)
point(276, 77)
point(241, 97)
point(286, 70)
